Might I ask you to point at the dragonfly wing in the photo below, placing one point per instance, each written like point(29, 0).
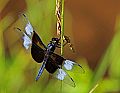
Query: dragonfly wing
point(28, 27)
point(26, 41)
point(37, 49)
point(53, 66)
point(72, 66)
point(36, 39)
point(30, 33)
point(57, 58)
point(60, 74)
point(67, 64)
point(37, 53)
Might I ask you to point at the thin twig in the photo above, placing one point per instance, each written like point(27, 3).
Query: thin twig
point(60, 20)
point(62, 27)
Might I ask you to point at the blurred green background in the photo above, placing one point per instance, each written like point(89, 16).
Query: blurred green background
point(94, 29)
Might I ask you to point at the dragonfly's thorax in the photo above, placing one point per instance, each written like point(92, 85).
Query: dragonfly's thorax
point(53, 44)
point(51, 47)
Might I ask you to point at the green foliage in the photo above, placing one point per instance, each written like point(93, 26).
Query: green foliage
point(110, 61)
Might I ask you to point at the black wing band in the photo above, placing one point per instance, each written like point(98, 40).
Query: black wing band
point(36, 39)
point(37, 53)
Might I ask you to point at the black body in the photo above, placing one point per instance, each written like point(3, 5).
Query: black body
point(38, 51)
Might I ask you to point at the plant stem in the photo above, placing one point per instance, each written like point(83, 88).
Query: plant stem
point(62, 26)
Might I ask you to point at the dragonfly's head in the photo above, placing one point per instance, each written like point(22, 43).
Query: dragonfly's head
point(55, 40)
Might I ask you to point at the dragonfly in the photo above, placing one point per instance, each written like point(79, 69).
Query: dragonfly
point(55, 64)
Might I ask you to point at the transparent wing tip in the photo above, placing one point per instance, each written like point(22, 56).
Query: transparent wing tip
point(70, 65)
point(74, 85)
point(81, 68)
point(64, 76)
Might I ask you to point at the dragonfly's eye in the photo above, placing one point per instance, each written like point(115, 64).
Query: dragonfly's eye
point(54, 40)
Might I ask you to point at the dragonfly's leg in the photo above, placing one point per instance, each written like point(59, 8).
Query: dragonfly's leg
point(64, 43)
point(67, 39)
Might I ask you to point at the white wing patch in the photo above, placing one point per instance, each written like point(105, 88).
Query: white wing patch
point(26, 41)
point(68, 64)
point(29, 29)
point(61, 74)
point(28, 33)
